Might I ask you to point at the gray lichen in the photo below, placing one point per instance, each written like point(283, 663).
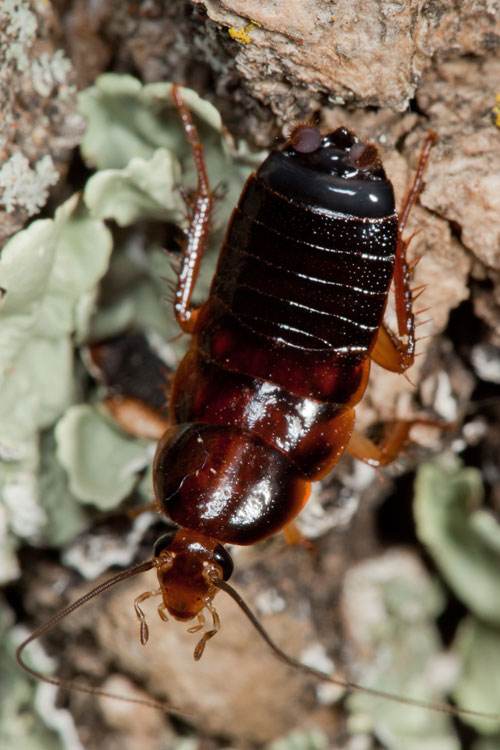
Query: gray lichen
point(38, 126)
point(20, 32)
point(25, 186)
point(50, 71)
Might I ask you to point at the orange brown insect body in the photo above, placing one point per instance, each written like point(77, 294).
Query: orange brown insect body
point(263, 402)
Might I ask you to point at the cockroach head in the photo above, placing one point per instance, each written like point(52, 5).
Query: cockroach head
point(337, 172)
point(187, 563)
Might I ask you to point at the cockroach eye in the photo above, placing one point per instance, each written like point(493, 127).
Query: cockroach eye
point(164, 541)
point(223, 558)
point(305, 139)
point(364, 156)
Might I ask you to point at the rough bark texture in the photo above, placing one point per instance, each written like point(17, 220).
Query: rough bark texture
point(421, 65)
point(341, 48)
point(39, 126)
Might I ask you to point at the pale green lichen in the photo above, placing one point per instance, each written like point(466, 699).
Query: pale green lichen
point(312, 739)
point(126, 120)
point(464, 541)
point(462, 537)
point(9, 566)
point(390, 605)
point(26, 187)
point(101, 461)
point(144, 189)
point(49, 272)
point(478, 646)
point(29, 716)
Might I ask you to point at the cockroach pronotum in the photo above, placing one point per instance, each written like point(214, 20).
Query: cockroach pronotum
point(263, 402)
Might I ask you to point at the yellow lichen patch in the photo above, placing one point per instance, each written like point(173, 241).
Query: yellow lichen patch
point(243, 35)
point(496, 111)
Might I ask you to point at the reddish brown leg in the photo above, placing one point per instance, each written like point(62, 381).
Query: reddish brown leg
point(200, 209)
point(391, 351)
point(397, 352)
point(371, 453)
point(395, 438)
point(295, 538)
point(136, 417)
point(136, 512)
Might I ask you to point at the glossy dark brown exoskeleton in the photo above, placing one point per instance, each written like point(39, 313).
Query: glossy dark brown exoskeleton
point(263, 402)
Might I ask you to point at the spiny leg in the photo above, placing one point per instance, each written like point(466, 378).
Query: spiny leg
point(396, 437)
point(397, 352)
point(144, 630)
point(200, 210)
point(417, 182)
point(393, 353)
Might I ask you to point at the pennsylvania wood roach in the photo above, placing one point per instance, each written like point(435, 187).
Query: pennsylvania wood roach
point(263, 402)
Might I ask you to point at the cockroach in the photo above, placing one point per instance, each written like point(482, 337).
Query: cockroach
point(262, 404)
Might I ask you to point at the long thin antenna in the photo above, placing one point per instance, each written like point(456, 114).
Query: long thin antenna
point(69, 684)
point(351, 686)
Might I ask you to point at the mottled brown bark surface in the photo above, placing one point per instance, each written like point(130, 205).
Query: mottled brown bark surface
point(390, 71)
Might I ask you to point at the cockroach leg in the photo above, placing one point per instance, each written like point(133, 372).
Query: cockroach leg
point(134, 513)
point(200, 207)
point(417, 182)
point(364, 449)
point(393, 353)
point(144, 629)
point(392, 445)
point(295, 538)
point(397, 353)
